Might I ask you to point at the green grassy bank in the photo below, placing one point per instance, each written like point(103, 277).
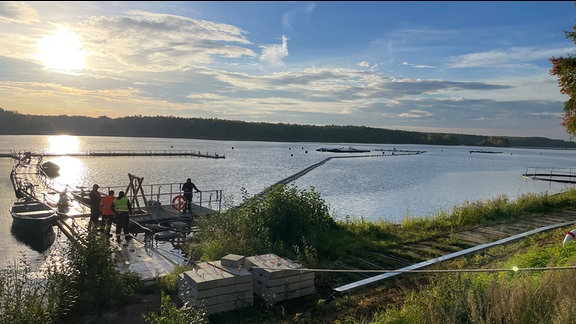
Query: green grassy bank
point(297, 224)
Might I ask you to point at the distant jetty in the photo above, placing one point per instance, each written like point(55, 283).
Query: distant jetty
point(18, 155)
point(349, 149)
point(484, 151)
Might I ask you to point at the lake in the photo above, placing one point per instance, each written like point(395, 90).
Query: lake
point(374, 187)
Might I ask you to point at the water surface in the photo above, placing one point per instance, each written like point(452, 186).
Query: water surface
point(374, 187)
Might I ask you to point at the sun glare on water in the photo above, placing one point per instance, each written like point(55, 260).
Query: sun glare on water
point(62, 144)
point(61, 51)
point(72, 170)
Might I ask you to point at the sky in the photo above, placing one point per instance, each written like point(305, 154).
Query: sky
point(462, 67)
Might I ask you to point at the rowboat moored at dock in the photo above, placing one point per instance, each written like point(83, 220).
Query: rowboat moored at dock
point(32, 216)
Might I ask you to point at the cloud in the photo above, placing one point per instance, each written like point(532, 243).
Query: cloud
point(418, 66)
point(141, 41)
point(17, 11)
point(415, 114)
point(513, 57)
point(146, 63)
point(274, 54)
point(289, 16)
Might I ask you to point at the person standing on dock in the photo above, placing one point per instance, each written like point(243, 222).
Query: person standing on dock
point(107, 208)
point(187, 188)
point(95, 198)
point(123, 210)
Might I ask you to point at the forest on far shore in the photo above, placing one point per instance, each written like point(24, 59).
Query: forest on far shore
point(14, 123)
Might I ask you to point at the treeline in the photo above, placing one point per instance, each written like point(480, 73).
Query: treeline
point(14, 123)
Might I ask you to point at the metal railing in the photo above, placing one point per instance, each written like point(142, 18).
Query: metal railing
point(145, 197)
point(161, 194)
point(565, 175)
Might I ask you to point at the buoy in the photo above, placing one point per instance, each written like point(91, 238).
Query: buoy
point(178, 202)
point(569, 236)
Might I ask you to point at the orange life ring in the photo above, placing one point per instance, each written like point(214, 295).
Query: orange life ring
point(178, 202)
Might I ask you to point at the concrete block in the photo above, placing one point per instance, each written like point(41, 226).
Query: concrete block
point(217, 286)
point(233, 260)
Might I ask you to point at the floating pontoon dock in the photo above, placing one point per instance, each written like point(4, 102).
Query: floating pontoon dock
point(562, 175)
point(156, 216)
point(18, 155)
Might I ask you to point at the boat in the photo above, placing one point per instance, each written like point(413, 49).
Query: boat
point(32, 216)
point(349, 149)
point(395, 151)
point(50, 169)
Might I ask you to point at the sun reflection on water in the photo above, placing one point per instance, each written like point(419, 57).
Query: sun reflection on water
point(62, 144)
point(72, 171)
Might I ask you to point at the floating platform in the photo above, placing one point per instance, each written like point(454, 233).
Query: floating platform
point(19, 155)
point(349, 149)
point(139, 253)
point(485, 151)
point(561, 175)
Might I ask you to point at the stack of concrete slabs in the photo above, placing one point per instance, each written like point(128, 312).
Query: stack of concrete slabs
point(277, 279)
point(218, 285)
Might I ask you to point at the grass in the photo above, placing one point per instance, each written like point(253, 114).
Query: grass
point(535, 294)
point(348, 238)
point(296, 224)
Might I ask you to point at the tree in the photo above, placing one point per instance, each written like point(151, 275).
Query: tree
point(564, 68)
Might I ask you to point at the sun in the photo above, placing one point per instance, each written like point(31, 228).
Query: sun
point(61, 51)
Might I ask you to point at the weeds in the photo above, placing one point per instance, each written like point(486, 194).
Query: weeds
point(27, 296)
point(296, 224)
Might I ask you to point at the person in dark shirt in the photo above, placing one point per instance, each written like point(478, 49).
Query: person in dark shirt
point(187, 188)
point(95, 198)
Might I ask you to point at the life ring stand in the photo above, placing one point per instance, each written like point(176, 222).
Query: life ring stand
point(178, 202)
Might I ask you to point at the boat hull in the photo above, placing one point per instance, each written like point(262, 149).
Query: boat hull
point(39, 242)
point(32, 216)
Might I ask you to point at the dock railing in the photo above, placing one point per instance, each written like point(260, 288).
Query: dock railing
point(112, 153)
point(564, 175)
point(162, 194)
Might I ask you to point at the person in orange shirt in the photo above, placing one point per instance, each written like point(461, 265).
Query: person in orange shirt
point(108, 213)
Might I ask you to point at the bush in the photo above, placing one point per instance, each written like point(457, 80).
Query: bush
point(99, 285)
point(170, 313)
point(30, 297)
point(285, 221)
